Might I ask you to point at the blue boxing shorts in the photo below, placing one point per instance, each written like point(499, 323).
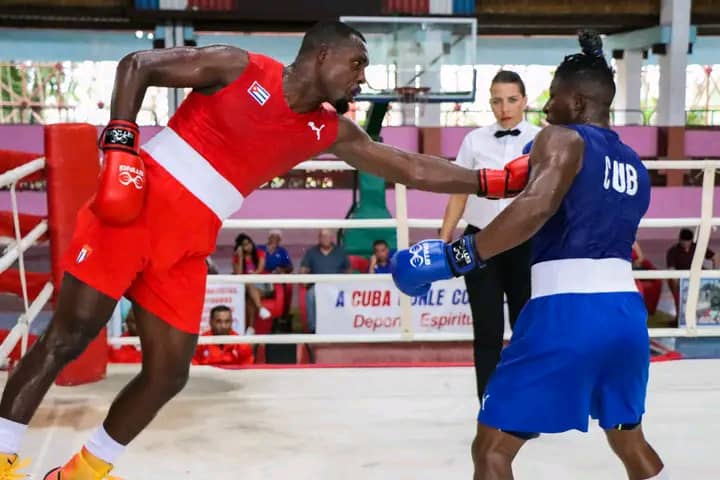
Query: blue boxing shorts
point(573, 355)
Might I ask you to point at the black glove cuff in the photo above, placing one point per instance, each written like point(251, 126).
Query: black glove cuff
point(121, 135)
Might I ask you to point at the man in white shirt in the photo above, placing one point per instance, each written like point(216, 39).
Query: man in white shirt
point(508, 273)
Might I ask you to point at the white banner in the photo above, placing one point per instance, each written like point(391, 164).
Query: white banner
point(362, 308)
point(232, 296)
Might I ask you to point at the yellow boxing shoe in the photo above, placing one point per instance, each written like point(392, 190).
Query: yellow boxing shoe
point(9, 466)
point(83, 466)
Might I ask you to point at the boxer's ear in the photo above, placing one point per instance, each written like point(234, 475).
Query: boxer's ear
point(323, 53)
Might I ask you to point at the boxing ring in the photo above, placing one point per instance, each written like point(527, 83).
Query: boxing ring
point(352, 423)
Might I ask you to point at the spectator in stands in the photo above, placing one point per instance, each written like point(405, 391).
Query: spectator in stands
point(221, 321)
point(679, 256)
point(249, 259)
point(380, 260)
point(650, 289)
point(325, 257)
point(638, 258)
point(211, 266)
point(277, 259)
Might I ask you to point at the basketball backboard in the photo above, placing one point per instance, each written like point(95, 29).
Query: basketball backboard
point(418, 59)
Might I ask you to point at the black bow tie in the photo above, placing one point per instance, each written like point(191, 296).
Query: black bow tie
point(501, 133)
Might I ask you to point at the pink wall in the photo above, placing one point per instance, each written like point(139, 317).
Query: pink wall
point(702, 143)
point(327, 204)
point(666, 202)
point(699, 143)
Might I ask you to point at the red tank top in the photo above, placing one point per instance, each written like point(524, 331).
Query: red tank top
point(247, 131)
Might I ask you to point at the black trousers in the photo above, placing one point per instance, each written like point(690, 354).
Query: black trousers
point(505, 274)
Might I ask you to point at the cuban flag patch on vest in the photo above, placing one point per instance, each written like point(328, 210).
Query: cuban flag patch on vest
point(259, 93)
point(85, 251)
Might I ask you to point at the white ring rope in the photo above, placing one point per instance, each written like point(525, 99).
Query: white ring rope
point(21, 262)
point(705, 222)
point(23, 326)
point(18, 173)
point(15, 251)
point(709, 168)
point(379, 338)
point(305, 223)
point(12, 251)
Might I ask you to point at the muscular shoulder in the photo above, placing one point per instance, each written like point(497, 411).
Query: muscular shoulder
point(349, 130)
point(350, 137)
point(559, 146)
point(556, 136)
point(232, 60)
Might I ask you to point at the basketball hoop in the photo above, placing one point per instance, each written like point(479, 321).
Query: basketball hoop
point(410, 97)
point(412, 94)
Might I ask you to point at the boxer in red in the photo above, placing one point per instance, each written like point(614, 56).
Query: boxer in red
point(159, 207)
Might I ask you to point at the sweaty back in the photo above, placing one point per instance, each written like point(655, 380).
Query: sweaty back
point(599, 216)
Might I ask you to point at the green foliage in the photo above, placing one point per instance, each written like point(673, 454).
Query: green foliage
point(25, 90)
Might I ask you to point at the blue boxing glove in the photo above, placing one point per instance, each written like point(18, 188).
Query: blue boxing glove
point(414, 269)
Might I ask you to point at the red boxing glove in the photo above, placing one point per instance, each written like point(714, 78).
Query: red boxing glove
point(121, 191)
point(505, 183)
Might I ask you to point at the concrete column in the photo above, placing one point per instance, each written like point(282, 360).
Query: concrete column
point(673, 65)
point(673, 71)
point(627, 98)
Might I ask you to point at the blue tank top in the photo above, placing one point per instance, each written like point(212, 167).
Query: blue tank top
point(599, 216)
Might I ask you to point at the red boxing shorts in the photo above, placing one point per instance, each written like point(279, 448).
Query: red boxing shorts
point(158, 260)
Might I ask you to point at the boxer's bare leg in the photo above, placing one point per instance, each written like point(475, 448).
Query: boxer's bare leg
point(167, 353)
point(638, 457)
point(81, 313)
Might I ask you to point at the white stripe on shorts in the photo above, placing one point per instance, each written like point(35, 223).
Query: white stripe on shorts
point(581, 275)
point(195, 173)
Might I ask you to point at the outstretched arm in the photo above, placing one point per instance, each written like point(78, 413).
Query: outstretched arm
point(425, 172)
point(555, 160)
point(204, 69)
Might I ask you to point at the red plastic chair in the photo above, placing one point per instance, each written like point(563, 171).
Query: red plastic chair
point(359, 264)
point(650, 289)
point(276, 305)
point(288, 291)
point(302, 307)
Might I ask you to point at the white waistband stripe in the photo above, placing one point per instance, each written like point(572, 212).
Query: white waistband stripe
point(194, 172)
point(581, 275)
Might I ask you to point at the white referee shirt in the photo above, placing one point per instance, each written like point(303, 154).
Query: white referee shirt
point(481, 149)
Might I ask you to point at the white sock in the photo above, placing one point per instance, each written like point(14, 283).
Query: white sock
point(104, 446)
point(11, 435)
point(663, 475)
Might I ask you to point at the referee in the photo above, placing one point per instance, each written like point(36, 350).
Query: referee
point(508, 273)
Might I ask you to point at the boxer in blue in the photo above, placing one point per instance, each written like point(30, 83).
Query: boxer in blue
point(580, 346)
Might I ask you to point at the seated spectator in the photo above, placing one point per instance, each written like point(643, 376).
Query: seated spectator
point(380, 260)
point(680, 255)
point(325, 257)
point(277, 259)
point(637, 256)
point(221, 324)
point(211, 266)
point(127, 353)
point(650, 289)
point(250, 259)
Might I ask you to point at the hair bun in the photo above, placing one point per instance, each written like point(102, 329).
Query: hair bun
point(591, 43)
